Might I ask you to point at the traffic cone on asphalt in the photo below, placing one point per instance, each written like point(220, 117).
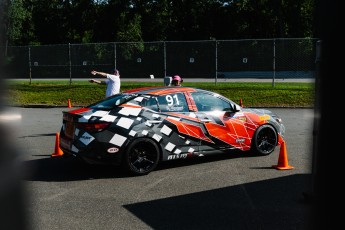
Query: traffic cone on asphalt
point(283, 159)
point(241, 104)
point(58, 152)
point(69, 105)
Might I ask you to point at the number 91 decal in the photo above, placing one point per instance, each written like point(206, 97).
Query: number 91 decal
point(172, 100)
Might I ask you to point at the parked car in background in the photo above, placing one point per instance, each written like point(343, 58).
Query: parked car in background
point(141, 127)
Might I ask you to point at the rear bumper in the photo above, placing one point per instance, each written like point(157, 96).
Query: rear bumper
point(94, 153)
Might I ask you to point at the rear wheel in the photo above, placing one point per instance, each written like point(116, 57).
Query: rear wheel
point(265, 140)
point(142, 156)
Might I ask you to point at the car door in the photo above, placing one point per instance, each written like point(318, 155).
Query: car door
point(222, 124)
point(183, 130)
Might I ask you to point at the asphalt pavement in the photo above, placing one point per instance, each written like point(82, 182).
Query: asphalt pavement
point(219, 192)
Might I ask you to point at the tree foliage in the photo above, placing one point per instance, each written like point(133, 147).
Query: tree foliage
point(87, 21)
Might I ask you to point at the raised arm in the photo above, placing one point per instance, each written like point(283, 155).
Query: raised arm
point(94, 72)
point(96, 81)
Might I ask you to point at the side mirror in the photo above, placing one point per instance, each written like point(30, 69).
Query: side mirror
point(236, 108)
point(231, 111)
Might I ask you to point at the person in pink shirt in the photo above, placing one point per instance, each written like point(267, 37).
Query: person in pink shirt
point(176, 81)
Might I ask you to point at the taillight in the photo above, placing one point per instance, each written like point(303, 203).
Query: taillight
point(93, 127)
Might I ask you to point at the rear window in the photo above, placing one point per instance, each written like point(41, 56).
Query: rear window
point(112, 101)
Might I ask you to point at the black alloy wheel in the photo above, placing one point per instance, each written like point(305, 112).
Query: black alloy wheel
point(142, 156)
point(265, 140)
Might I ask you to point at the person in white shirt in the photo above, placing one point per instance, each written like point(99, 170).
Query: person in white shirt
point(113, 82)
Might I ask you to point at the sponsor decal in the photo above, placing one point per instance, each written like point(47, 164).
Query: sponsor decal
point(86, 138)
point(175, 108)
point(113, 150)
point(173, 157)
point(264, 117)
point(242, 118)
point(240, 140)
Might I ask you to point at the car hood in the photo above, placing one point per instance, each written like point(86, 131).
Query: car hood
point(260, 112)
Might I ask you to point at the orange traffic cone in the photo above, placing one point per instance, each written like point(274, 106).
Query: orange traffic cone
point(283, 159)
point(241, 104)
point(58, 152)
point(69, 103)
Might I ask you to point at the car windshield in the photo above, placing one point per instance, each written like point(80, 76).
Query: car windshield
point(112, 101)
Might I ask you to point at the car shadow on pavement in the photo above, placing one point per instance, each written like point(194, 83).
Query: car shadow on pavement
point(39, 135)
point(68, 168)
point(269, 204)
point(277, 203)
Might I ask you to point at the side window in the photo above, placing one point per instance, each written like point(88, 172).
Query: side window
point(145, 101)
point(206, 102)
point(150, 103)
point(173, 103)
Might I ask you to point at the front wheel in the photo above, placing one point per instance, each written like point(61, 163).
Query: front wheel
point(142, 156)
point(265, 140)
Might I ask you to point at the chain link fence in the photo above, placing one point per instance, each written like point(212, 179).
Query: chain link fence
point(252, 58)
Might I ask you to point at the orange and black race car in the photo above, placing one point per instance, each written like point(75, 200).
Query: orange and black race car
point(141, 127)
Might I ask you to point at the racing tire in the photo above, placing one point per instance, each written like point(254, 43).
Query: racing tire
point(141, 157)
point(264, 140)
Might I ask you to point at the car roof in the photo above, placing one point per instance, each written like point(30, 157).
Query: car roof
point(161, 90)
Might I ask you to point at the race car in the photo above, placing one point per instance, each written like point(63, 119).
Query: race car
point(139, 128)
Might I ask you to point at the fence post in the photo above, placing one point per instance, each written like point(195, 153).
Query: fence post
point(274, 62)
point(216, 62)
point(70, 63)
point(115, 55)
point(165, 59)
point(30, 65)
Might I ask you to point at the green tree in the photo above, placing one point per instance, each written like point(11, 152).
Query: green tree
point(52, 21)
point(155, 17)
point(87, 21)
point(82, 21)
point(17, 23)
point(275, 18)
point(3, 24)
point(130, 32)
